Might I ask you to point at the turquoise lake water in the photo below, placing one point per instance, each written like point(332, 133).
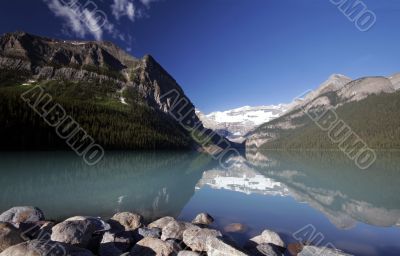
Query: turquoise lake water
point(356, 210)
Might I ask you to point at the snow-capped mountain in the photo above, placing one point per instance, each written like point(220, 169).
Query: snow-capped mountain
point(235, 123)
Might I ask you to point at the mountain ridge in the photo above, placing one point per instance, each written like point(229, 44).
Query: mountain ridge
point(336, 92)
point(106, 78)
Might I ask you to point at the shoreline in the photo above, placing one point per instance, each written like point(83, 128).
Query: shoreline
point(25, 231)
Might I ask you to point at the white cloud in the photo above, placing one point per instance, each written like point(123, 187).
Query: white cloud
point(123, 8)
point(80, 22)
point(147, 2)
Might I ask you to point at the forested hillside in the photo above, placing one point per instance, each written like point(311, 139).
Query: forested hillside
point(97, 109)
point(374, 119)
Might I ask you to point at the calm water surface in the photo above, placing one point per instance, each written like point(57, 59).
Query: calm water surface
point(357, 211)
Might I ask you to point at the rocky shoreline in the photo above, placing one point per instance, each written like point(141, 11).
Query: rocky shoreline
point(24, 231)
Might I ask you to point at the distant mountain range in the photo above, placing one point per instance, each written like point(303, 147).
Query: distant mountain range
point(123, 102)
point(235, 123)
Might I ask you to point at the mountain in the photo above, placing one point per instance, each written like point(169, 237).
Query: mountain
point(369, 105)
point(235, 123)
point(123, 102)
point(395, 80)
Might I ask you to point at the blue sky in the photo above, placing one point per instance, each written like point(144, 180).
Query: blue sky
point(231, 53)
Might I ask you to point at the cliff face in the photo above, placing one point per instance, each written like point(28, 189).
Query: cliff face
point(99, 62)
point(102, 71)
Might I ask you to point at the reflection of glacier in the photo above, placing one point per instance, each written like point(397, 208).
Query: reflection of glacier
point(241, 180)
point(345, 194)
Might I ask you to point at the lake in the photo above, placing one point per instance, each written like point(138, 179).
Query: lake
point(356, 210)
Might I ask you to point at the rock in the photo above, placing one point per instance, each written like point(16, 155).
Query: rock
point(78, 231)
point(161, 223)
point(295, 248)
point(269, 237)
point(149, 246)
point(203, 219)
point(195, 238)
point(97, 222)
point(42, 247)
point(130, 221)
point(323, 251)
point(23, 214)
point(115, 244)
point(265, 250)
point(38, 230)
point(188, 253)
point(174, 230)
point(176, 245)
point(9, 236)
point(235, 228)
point(218, 247)
point(150, 232)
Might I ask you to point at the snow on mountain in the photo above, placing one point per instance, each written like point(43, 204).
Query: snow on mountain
point(235, 123)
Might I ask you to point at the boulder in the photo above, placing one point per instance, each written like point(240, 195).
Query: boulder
point(115, 244)
point(22, 214)
point(295, 248)
point(176, 245)
point(78, 231)
point(38, 230)
point(203, 219)
point(195, 238)
point(97, 222)
point(269, 237)
point(325, 251)
point(129, 221)
point(149, 246)
point(161, 223)
point(149, 232)
point(42, 247)
point(218, 247)
point(265, 250)
point(188, 253)
point(235, 228)
point(9, 236)
point(174, 230)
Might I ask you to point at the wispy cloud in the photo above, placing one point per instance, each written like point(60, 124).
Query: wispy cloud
point(147, 2)
point(122, 8)
point(83, 19)
point(80, 22)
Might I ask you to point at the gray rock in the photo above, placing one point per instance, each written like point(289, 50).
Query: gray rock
point(323, 251)
point(174, 230)
point(42, 247)
point(218, 247)
point(188, 253)
point(115, 244)
point(130, 221)
point(265, 250)
point(203, 219)
point(78, 231)
point(22, 214)
point(195, 238)
point(150, 232)
point(269, 237)
point(149, 246)
point(37, 230)
point(9, 236)
point(161, 223)
point(176, 245)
